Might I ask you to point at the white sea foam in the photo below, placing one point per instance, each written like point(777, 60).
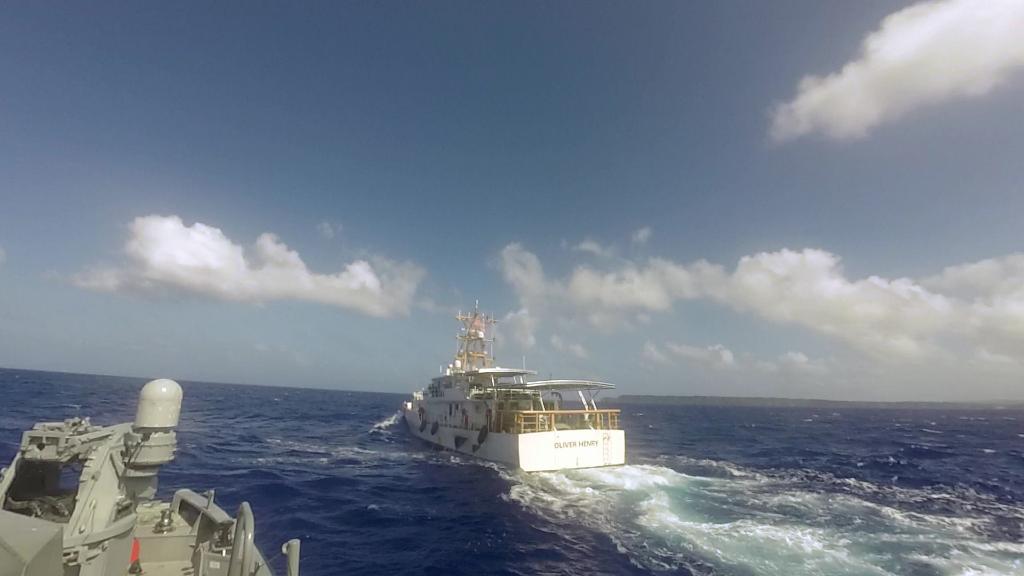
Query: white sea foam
point(386, 423)
point(298, 452)
point(702, 466)
point(754, 524)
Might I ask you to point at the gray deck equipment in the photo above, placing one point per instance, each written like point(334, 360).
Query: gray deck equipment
point(78, 500)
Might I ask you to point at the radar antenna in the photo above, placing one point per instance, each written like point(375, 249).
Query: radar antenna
point(475, 348)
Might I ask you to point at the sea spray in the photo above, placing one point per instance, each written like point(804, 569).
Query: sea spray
point(386, 423)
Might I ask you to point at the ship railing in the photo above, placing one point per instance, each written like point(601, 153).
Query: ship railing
point(526, 421)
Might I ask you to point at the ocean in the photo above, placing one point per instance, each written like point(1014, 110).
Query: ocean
point(707, 490)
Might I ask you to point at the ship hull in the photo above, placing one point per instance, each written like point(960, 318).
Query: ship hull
point(531, 452)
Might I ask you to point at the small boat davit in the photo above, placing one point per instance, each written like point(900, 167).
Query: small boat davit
point(480, 409)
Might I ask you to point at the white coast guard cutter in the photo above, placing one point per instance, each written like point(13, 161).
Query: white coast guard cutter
point(495, 413)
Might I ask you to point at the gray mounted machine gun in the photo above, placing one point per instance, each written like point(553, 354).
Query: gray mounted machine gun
point(78, 500)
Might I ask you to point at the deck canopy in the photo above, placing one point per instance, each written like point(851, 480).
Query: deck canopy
point(570, 385)
point(499, 372)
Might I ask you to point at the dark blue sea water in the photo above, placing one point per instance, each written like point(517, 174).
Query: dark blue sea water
point(707, 490)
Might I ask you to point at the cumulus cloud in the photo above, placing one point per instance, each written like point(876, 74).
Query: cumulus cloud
point(964, 311)
point(327, 230)
point(654, 354)
point(921, 55)
point(809, 288)
point(520, 326)
point(523, 271)
point(600, 298)
point(989, 278)
point(794, 363)
point(652, 286)
point(592, 247)
point(992, 293)
point(163, 253)
point(573, 348)
point(719, 357)
point(715, 356)
point(642, 235)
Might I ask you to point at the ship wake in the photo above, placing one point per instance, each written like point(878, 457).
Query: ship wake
point(720, 519)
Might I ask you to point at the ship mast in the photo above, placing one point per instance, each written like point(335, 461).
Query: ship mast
point(475, 349)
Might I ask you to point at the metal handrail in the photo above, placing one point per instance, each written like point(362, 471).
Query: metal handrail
point(598, 411)
point(243, 550)
point(291, 550)
point(525, 421)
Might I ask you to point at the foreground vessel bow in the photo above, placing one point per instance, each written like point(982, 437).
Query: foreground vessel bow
point(78, 500)
point(494, 413)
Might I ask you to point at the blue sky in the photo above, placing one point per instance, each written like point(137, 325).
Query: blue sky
point(566, 164)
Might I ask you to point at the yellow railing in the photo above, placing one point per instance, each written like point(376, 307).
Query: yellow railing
point(525, 421)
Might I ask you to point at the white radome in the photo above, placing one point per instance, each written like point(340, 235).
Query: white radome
point(159, 404)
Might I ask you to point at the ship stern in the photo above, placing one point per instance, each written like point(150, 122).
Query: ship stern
point(570, 449)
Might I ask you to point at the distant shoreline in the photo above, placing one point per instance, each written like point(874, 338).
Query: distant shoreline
point(637, 399)
point(766, 402)
point(183, 380)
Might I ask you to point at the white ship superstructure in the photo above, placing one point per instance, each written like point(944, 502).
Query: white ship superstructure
point(498, 414)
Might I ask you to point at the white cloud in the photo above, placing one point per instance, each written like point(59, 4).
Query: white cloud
point(575, 349)
point(593, 247)
point(962, 311)
point(808, 288)
point(653, 353)
point(652, 286)
point(642, 235)
point(521, 326)
point(992, 295)
point(165, 253)
point(523, 271)
point(800, 363)
point(990, 278)
point(714, 356)
point(921, 55)
point(718, 357)
point(327, 230)
point(791, 367)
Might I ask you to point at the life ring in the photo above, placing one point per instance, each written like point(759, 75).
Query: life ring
point(433, 429)
point(482, 435)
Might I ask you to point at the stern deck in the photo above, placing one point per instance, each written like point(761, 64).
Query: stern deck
point(528, 421)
